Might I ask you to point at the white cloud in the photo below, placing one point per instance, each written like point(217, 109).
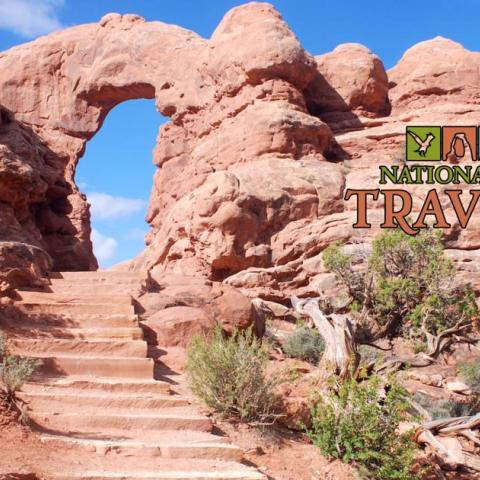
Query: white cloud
point(136, 234)
point(104, 247)
point(108, 207)
point(81, 184)
point(30, 18)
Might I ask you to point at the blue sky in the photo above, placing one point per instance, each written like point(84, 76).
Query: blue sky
point(116, 171)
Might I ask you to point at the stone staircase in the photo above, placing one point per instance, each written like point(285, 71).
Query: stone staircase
point(96, 394)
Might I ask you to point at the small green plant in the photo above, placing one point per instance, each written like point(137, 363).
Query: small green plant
point(370, 355)
point(470, 372)
point(358, 424)
point(229, 375)
point(438, 409)
point(304, 343)
point(3, 347)
point(451, 408)
point(15, 371)
point(419, 347)
point(340, 264)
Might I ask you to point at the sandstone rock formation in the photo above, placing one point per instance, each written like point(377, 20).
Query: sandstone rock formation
point(263, 140)
point(351, 78)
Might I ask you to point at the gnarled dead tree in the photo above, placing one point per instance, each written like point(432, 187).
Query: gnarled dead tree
point(436, 344)
point(452, 454)
point(338, 330)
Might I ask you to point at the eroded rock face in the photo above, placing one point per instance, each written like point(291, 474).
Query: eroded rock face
point(263, 140)
point(58, 90)
point(240, 101)
point(435, 68)
point(349, 78)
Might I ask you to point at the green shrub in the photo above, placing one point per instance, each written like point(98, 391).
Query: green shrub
point(340, 264)
point(470, 372)
point(16, 370)
point(304, 343)
point(405, 286)
point(370, 354)
point(419, 346)
point(3, 347)
point(358, 424)
point(229, 375)
point(444, 408)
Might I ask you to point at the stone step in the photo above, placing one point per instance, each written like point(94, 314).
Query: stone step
point(98, 276)
point(116, 367)
point(235, 474)
point(95, 297)
point(69, 320)
point(81, 401)
point(174, 474)
point(159, 469)
point(65, 287)
point(111, 424)
point(111, 333)
point(75, 308)
point(171, 444)
point(89, 320)
point(97, 385)
point(52, 347)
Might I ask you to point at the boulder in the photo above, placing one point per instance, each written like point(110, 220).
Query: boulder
point(175, 326)
point(349, 78)
point(181, 307)
point(457, 386)
point(435, 68)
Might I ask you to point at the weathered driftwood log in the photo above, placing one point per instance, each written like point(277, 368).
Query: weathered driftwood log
point(340, 357)
point(440, 435)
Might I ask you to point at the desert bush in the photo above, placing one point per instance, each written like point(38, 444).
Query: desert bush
point(419, 346)
point(304, 343)
point(340, 264)
point(370, 355)
point(470, 372)
point(16, 370)
point(3, 347)
point(444, 408)
point(451, 408)
point(405, 286)
point(357, 423)
point(229, 375)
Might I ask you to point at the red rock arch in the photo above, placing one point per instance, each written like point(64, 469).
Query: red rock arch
point(232, 100)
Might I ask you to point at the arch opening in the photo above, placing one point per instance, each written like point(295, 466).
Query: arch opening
point(116, 175)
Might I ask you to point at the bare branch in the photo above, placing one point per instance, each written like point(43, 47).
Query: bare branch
point(453, 458)
point(338, 331)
